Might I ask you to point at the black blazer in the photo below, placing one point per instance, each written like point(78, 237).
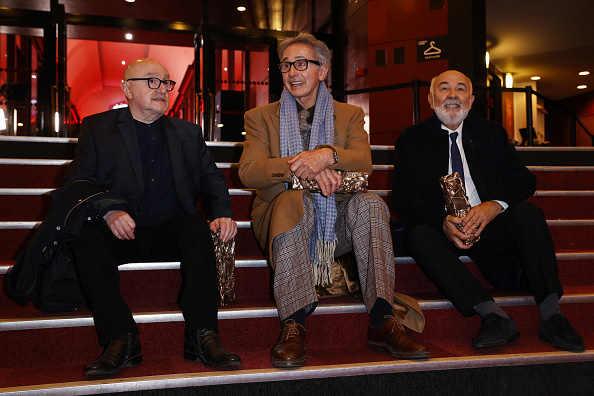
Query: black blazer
point(107, 154)
point(422, 158)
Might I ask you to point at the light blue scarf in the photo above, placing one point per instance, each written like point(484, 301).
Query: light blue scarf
point(322, 242)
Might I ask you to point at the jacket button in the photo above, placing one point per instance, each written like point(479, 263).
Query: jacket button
point(58, 228)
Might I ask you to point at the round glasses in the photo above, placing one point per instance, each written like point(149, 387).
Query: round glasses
point(299, 65)
point(155, 83)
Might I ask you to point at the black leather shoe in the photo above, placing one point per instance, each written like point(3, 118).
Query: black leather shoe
point(204, 345)
point(561, 334)
point(119, 354)
point(494, 331)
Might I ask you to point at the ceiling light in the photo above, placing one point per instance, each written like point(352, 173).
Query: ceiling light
point(130, 1)
point(241, 8)
point(129, 36)
point(123, 62)
point(582, 86)
point(535, 78)
point(220, 125)
point(509, 80)
point(584, 73)
point(487, 59)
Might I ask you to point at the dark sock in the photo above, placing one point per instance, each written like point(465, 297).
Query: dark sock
point(298, 317)
point(549, 306)
point(488, 307)
point(380, 313)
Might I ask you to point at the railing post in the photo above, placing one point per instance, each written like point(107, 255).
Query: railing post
point(573, 129)
point(416, 85)
point(529, 121)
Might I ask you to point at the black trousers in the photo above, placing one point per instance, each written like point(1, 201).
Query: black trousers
point(184, 238)
point(521, 228)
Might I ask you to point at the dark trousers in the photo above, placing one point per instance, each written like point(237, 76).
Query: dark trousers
point(184, 238)
point(521, 228)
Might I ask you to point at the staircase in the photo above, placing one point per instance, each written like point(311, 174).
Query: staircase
point(42, 353)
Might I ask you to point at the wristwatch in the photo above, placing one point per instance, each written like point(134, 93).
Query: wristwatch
point(334, 154)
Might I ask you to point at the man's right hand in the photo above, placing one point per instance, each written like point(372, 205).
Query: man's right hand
point(120, 223)
point(450, 229)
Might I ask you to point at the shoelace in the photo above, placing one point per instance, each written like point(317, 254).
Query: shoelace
point(395, 323)
point(292, 329)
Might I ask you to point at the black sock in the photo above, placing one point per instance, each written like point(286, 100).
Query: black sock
point(298, 317)
point(380, 313)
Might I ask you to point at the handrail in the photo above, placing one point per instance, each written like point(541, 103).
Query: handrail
point(528, 91)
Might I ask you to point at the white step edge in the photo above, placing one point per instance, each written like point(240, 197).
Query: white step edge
point(186, 380)
point(251, 191)
point(261, 263)
point(228, 313)
point(28, 225)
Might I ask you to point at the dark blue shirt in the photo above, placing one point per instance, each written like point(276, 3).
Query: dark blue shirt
point(159, 202)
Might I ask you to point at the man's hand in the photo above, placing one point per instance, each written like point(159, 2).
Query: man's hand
point(450, 229)
point(309, 164)
point(226, 226)
point(120, 223)
point(328, 180)
point(479, 216)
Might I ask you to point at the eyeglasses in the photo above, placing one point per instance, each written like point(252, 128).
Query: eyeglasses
point(299, 64)
point(155, 83)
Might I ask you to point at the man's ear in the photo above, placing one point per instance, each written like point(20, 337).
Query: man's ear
point(430, 99)
point(324, 72)
point(126, 89)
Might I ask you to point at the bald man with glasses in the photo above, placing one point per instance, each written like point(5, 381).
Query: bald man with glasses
point(161, 166)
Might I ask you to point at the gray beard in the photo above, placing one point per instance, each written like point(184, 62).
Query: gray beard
point(440, 112)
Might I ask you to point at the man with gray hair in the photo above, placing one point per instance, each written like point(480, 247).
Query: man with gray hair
point(310, 135)
point(515, 249)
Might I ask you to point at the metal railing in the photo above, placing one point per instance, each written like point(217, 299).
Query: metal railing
point(416, 84)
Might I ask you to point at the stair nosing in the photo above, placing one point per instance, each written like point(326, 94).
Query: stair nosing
point(230, 313)
point(186, 380)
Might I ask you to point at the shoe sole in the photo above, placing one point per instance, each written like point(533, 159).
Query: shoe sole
point(510, 338)
point(133, 362)
point(195, 358)
point(380, 347)
point(288, 364)
point(568, 349)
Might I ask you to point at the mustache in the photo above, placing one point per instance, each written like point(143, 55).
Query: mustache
point(448, 102)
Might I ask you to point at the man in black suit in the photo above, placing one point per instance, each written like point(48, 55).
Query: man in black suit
point(497, 185)
point(162, 166)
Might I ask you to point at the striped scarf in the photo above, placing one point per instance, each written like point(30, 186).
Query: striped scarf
point(322, 242)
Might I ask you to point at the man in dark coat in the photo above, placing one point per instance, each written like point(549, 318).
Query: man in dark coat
point(497, 185)
point(162, 166)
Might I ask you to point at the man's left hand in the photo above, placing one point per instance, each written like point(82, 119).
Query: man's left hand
point(479, 216)
point(309, 164)
point(226, 226)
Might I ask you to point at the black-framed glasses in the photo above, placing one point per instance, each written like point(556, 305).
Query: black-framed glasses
point(155, 83)
point(299, 65)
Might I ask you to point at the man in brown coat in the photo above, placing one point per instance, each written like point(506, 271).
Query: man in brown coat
point(311, 135)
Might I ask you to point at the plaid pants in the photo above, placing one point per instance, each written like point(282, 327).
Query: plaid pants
point(362, 226)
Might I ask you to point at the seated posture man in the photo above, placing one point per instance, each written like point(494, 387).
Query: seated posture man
point(311, 135)
point(497, 185)
point(162, 166)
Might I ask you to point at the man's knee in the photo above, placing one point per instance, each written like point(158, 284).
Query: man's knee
point(422, 237)
point(527, 213)
point(368, 203)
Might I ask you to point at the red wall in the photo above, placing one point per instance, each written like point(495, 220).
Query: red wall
point(394, 24)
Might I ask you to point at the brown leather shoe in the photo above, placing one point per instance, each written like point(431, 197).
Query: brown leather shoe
point(391, 337)
point(289, 351)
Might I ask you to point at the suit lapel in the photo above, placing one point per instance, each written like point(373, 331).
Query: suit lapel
point(472, 158)
point(174, 145)
point(128, 132)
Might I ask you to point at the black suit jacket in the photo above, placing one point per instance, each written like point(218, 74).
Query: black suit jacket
point(422, 158)
point(107, 154)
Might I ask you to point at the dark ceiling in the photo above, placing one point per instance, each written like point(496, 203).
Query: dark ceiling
point(548, 38)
